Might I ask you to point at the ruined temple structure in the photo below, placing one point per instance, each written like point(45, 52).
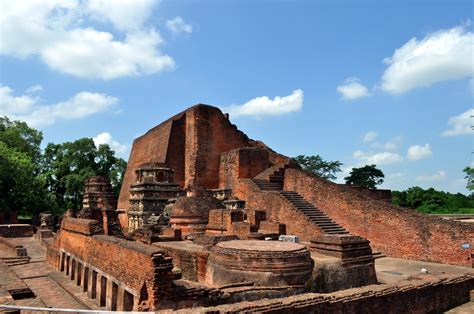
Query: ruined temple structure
point(99, 203)
point(149, 195)
point(208, 218)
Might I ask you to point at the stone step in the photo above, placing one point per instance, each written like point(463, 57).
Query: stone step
point(302, 204)
point(306, 207)
point(333, 229)
point(16, 260)
point(316, 216)
point(338, 232)
point(312, 212)
point(328, 223)
point(378, 255)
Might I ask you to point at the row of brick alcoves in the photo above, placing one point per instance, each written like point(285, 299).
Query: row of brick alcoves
point(103, 288)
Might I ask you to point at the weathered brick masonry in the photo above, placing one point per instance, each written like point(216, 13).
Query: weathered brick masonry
point(277, 210)
point(428, 295)
point(143, 269)
point(396, 231)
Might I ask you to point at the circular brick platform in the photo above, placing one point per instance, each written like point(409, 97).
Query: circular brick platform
point(266, 263)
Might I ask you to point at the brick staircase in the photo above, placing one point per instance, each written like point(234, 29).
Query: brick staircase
point(15, 260)
point(274, 181)
point(315, 215)
point(268, 185)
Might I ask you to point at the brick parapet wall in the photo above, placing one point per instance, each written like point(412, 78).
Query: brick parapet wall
point(133, 264)
point(430, 294)
point(277, 209)
point(16, 230)
point(394, 230)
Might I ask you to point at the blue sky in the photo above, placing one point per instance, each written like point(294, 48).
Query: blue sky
point(384, 82)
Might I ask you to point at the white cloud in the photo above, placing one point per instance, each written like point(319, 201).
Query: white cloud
point(106, 138)
point(352, 89)
point(418, 152)
point(264, 106)
point(177, 25)
point(29, 109)
point(441, 56)
point(123, 14)
point(390, 145)
point(395, 181)
point(461, 124)
point(396, 175)
point(437, 176)
point(370, 136)
point(382, 158)
point(10, 104)
point(61, 35)
point(34, 89)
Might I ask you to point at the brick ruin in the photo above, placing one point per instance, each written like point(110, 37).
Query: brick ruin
point(208, 218)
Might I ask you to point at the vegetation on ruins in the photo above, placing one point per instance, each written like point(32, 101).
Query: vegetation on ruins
point(32, 181)
point(431, 201)
point(365, 177)
point(319, 166)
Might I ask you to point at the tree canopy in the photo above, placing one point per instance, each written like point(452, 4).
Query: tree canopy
point(431, 201)
point(66, 166)
point(32, 181)
point(469, 177)
point(21, 189)
point(365, 177)
point(319, 166)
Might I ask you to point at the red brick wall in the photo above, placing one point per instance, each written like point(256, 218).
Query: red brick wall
point(396, 231)
point(129, 262)
point(8, 218)
point(15, 231)
point(176, 149)
point(151, 147)
point(208, 134)
point(241, 163)
point(190, 143)
point(430, 295)
point(277, 209)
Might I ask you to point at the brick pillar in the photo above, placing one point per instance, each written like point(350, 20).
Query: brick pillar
point(79, 274)
point(72, 272)
point(92, 288)
point(120, 298)
point(125, 300)
point(101, 289)
point(61, 261)
point(68, 262)
point(108, 297)
point(85, 278)
point(111, 296)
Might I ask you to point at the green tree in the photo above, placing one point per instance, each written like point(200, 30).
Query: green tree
point(319, 166)
point(469, 177)
point(66, 166)
point(20, 187)
point(431, 201)
point(365, 177)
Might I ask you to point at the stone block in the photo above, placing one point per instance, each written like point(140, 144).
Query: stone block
point(289, 238)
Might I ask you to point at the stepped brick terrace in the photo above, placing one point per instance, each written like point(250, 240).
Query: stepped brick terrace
point(210, 220)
